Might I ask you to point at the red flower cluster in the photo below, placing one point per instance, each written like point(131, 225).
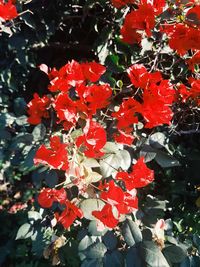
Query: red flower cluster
point(48, 196)
point(190, 94)
point(92, 140)
point(37, 109)
point(157, 97)
point(75, 105)
point(74, 74)
point(141, 20)
point(140, 176)
point(69, 215)
point(56, 157)
point(8, 11)
point(183, 37)
point(119, 202)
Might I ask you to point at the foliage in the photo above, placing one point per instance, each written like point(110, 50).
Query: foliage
point(99, 138)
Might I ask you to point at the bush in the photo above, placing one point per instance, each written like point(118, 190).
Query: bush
point(99, 133)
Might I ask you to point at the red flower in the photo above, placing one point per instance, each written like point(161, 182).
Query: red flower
point(56, 157)
point(123, 201)
point(66, 109)
point(106, 216)
point(140, 176)
point(141, 19)
point(156, 101)
point(7, 10)
point(123, 138)
point(195, 60)
point(47, 196)
point(94, 96)
point(193, 15)
point(183, 38)
point(158, 6)
point(92, 71)
point(140, 77)
point(68, 76)
point(38, 109)
point(93, 140)
point(121, 3)
point(69, 215)
point(126, 114)
point(114, 195)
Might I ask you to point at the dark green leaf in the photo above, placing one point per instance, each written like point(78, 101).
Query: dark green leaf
point(110, 240)
point(131, 233)
point(174, 253)
point(25, 231)
point(151, 255)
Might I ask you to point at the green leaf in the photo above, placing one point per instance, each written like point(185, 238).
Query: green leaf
point(89, 205)
point(148, 153)
point(92, 263)
point(174, 253)
point(51, 178)
point(96, 250)
point(111, 163)
point(157, 140)
point(151, 255)
point(25, 231)
point(114, 259)
point(133, 259)
point(92, 229)
point(20, 106)
point(110, 240)
point(34, 216)
point(191, 261)
point(196, 240)
point(112, 63)
point(165, 160)
point(39, 132)
point(131, 233)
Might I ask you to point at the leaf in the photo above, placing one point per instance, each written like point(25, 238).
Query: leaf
point(131, 233)
point(197, 202)
point(28, 162)
point(191, 261)
point(174, 253)
point(92, 229)
point(90, 176)
point(196, 240)
point(51, 178)
point(34, 216)
point(110, 240)
point(20, 106)
point(148, 153)
point(111, 147)
point(165, 160)
point(114, 259)
point(111, 164)
point(22, 120)
point(96, 250)
point(133, 258)
point(112, 63)
point(25, 231)
point(92, 263)
point(157, 140)
point(151, 255)
point(85, 243)
point(91, 163)
point(39, 132)
point(29, 20)
point(89, 205)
